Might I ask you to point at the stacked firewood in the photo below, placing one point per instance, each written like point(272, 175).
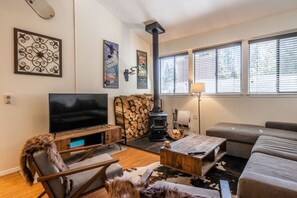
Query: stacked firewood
point(131, 112)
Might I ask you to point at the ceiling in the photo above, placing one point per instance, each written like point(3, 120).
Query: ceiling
point(182, 18)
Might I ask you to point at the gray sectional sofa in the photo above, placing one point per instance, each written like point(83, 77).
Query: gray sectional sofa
point(271, 170)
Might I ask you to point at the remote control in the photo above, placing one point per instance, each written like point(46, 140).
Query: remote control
point(196, 152)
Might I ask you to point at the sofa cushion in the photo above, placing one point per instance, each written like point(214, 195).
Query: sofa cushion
point(276, 146)
point(236, 132)
point(247, 133)
point(268, 176)
point(281, 125)
point(292, 135)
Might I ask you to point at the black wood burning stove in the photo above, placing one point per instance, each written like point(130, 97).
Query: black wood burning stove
point(158, 126)
point(157, 118)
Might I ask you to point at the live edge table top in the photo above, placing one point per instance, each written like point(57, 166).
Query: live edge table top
point(177, 156)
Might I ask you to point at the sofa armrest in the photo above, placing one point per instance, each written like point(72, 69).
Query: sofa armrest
point(281, 125)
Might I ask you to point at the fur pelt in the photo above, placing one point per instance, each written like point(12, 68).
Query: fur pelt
point(120, 187)
point(38, 143)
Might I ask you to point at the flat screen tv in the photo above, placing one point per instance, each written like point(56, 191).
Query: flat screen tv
point(76, 111)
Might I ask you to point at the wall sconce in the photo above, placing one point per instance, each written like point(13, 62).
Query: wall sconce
point(128, 72)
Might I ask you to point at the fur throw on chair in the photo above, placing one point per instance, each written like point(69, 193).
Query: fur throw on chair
point(38, 143)
point(120, 187)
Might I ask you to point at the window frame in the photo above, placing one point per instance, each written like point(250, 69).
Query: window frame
point(216, 48)
point(277, 76)
point(174, 80)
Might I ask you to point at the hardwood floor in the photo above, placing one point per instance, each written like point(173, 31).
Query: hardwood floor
point(13, 185)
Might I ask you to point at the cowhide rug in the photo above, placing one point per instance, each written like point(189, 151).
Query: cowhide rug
point(229, 168)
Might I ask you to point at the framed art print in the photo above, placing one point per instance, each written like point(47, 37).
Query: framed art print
point(37, 54)
point(141, 69)
point(110, 65)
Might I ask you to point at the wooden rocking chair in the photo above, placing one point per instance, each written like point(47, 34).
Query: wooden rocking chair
point(87, 175)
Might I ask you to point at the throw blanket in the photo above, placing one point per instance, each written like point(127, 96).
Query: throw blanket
point(120, 187)
point(46, 143)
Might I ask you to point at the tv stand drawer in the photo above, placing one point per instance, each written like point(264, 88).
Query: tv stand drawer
point(113, 135)
point(63, 144)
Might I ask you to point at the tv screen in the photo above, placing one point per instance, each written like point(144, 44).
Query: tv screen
point(76, 111)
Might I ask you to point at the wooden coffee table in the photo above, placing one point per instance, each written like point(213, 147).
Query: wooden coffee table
point(198, 165)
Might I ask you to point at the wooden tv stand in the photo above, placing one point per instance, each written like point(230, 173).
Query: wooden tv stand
point(105, 135)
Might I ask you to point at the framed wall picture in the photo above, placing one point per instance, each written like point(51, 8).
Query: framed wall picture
point(141, 69)
point(37, 54)
point(111, 65)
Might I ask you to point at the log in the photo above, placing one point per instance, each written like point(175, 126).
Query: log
point(133, 108)
point(139, 126)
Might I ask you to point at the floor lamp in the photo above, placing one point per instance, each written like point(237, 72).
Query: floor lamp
point(197, 89)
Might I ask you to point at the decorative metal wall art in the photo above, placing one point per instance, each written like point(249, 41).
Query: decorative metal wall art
point(141, 69)
point(37, 54)
point(111, 65)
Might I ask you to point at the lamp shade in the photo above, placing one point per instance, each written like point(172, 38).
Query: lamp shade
point(197, 87)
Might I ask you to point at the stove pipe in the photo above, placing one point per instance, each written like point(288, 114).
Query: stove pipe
point(155, 29)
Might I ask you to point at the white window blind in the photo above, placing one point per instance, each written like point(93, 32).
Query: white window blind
point(219, 68)
point(174, 74)
point(273, 65)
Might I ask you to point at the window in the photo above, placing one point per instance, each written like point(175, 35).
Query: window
point(174, 74)
point(273, 65)
point(219, 68)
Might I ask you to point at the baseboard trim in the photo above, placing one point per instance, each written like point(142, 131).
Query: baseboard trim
point(9, 171)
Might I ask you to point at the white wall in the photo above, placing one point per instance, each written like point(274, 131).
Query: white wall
point(28, 114)
point(94, 24)
point(82, 66)
point(240, 109)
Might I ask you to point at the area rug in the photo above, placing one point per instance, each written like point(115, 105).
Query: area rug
point(229, 168)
